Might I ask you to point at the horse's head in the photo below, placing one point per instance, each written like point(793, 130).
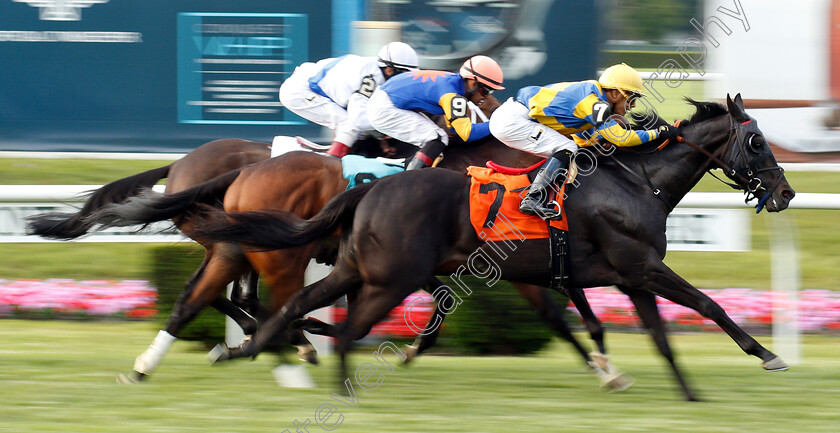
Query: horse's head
point(750, 161)
point(487, 103)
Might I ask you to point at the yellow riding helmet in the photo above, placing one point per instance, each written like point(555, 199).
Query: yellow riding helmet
point(622, 77)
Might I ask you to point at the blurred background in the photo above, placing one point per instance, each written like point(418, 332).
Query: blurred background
point(93, 91)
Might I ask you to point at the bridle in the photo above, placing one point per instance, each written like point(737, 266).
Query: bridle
point(741, 142)
point(741, 139)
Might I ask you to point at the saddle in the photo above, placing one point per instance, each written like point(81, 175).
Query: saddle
point(495, 217)
point(358, 169)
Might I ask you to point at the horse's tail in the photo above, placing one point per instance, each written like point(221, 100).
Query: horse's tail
point(149, 206)
point(276, 229)
point(66, 225)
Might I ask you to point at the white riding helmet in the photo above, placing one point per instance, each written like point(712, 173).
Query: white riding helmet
point(398, 55)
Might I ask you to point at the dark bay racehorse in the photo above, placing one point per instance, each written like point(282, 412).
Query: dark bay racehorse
point(302, 183)
point(399, 230)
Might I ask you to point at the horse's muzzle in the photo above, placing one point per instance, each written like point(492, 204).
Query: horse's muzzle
point(780, 199)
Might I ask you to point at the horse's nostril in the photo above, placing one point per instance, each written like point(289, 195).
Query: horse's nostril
point(788, 194)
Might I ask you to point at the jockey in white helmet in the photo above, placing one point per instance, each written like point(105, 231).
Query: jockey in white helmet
point(334, 92)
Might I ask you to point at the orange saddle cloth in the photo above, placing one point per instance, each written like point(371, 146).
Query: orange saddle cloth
point(494, 207)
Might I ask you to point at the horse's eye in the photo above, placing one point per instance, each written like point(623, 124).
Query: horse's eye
point(755, 143)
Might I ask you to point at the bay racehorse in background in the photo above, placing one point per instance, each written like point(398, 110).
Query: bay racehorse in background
point(205, 163)
point(399, 230)
point(196, 167)
point(302, 183)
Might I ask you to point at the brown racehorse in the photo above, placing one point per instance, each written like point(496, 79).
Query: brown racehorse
point(222, 263)
point(302, 183)
point(202, 164)
point(391, 244)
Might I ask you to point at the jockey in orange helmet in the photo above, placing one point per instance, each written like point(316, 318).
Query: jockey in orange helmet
point(395, 107)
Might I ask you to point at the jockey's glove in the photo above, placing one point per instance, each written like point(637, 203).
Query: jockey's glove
point(669, 132)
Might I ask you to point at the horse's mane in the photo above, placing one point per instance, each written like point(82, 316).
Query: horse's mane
point(705, 110)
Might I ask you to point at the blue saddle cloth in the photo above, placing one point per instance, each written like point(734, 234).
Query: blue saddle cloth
point(358, 169)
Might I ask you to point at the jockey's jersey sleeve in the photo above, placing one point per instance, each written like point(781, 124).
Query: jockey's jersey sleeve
point(437, 93)
point(616, 134)
point(346, 79)
point(568, 109)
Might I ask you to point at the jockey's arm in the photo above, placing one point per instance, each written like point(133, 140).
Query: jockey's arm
point(357, 104)
point(617, 134)
point(357, 112)
point(457, 117)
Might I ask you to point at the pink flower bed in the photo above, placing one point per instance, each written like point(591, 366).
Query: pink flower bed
point(421, 308)
point(135, 299)
point(819, 310)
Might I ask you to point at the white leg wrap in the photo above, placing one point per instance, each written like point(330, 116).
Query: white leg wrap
point(150, 359)
point(609, 376)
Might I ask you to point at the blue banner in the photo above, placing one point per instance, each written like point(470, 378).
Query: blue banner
point(156, 75)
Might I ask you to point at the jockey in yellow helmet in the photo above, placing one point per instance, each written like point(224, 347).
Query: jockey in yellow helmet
point(539, 119)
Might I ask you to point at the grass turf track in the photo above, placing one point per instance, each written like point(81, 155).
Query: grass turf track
point(59, 377)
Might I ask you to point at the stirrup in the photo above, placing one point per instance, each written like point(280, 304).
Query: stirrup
point(531, 206)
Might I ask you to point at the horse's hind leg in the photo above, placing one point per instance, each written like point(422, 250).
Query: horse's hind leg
point(284, 272)
point(245, 293)
point(593, 325)
point(206, 286)
point(540, 300)
point(646, 308)
point(428, 337)
point(317, 295)
point(610, 376)
point(374, 304)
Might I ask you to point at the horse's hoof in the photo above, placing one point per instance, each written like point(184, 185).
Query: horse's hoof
point(308, 354)
point(293, 376)
point(218, 354)
point(131, 378)
point(775, 364)
point(410, 354)
point(618, 383)
point(125, 380)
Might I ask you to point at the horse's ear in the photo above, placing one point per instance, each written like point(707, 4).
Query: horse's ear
point(736, 107)
point(738, 101)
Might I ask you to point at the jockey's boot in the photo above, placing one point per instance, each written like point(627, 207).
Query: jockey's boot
point(534, 202)
point(426, 155)
point(338, 149)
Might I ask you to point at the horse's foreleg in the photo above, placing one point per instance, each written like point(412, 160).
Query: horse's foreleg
point(646, 308)
point(666, 283)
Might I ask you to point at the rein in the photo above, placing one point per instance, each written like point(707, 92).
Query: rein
point(750, 184)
